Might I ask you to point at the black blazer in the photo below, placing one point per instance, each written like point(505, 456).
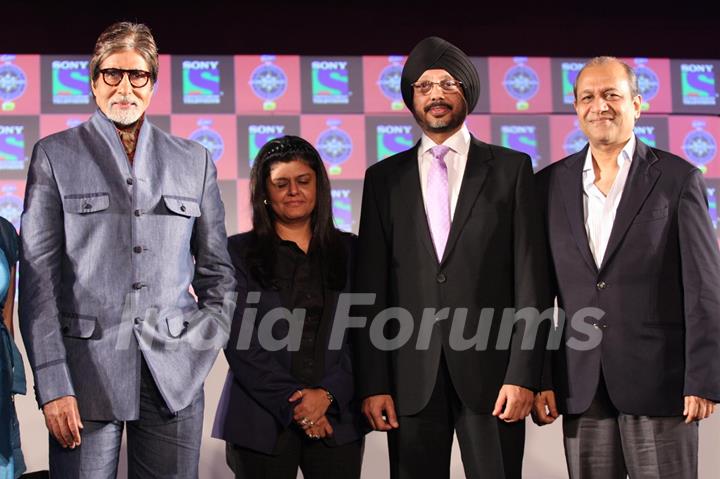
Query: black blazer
point(659, 286)
point(494, 258)
point(254, 407)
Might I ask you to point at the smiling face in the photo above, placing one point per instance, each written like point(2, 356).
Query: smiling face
point(292, 189)
point(438, 111)
point(124, 103)
point(605, 106)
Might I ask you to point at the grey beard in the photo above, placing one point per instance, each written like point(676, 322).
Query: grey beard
point(125, 117)
point(438, 125)
point(441, 126)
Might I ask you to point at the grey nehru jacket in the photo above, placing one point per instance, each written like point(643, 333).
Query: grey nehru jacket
point(109, 253)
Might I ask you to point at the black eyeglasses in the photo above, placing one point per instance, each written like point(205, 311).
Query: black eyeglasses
point(113, 76)
point(448, 86)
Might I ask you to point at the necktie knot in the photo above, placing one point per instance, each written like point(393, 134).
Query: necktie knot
point(439, 152)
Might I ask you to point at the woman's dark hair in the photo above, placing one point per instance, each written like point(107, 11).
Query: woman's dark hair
point(325, 237)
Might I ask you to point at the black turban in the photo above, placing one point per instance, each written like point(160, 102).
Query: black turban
point(436, 53)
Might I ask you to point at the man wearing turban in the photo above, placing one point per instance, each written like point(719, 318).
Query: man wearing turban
point(449, 241)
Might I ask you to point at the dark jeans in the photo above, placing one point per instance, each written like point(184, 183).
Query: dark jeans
point(159, 443)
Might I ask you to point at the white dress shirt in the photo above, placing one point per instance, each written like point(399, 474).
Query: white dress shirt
point(455, 159)
point(599, 209)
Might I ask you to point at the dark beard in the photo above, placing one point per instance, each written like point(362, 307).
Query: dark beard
point(454, 122)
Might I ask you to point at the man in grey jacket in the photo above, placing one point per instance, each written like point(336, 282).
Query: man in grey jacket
point(120, 220)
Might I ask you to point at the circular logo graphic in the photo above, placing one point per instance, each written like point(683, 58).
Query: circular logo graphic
point(574, 141)
point(211, 140)
point(335, 146)
point(13, 82)
point(11, 209)
point(268, 82)
point(700, 147)
point(521, 82)
point(648, 82)
point(389, 82)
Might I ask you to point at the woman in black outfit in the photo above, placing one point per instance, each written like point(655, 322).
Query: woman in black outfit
point(288, 398)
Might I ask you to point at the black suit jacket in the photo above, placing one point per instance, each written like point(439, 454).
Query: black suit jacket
point(254, 407)
point(494, 258)
point(659, 286)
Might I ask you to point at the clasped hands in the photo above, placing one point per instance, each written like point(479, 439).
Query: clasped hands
point(310, 411)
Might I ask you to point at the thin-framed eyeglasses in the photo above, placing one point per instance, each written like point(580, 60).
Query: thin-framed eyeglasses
point(448, 86)
point(113, 76)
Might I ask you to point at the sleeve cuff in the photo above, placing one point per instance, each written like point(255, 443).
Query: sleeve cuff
point(52, 381)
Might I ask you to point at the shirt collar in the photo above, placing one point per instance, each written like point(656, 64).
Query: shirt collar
point(458, 143)
point(626, 154)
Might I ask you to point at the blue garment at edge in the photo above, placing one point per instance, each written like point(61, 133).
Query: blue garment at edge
point(12, 379)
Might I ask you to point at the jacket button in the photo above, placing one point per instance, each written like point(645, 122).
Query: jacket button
point(129, 181)
point(601, 285)
point(87, 206)
point(182, 208)
point(137, 249)
point(441, 278)
point(599, 324)
point(138, 285)
point(137, 212)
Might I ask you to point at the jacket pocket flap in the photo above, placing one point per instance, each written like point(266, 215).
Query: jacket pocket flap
point(77, 326)
point(182, 206)
point(176, 325)
point(86, 203)
point(651, 215)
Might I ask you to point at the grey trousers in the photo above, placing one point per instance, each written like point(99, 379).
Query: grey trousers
point(603, 443)
point(159, 444)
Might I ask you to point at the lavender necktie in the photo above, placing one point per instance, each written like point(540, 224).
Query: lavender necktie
point(437, 199)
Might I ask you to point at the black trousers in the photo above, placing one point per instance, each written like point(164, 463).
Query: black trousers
point(421, 446)
point(315, 459)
